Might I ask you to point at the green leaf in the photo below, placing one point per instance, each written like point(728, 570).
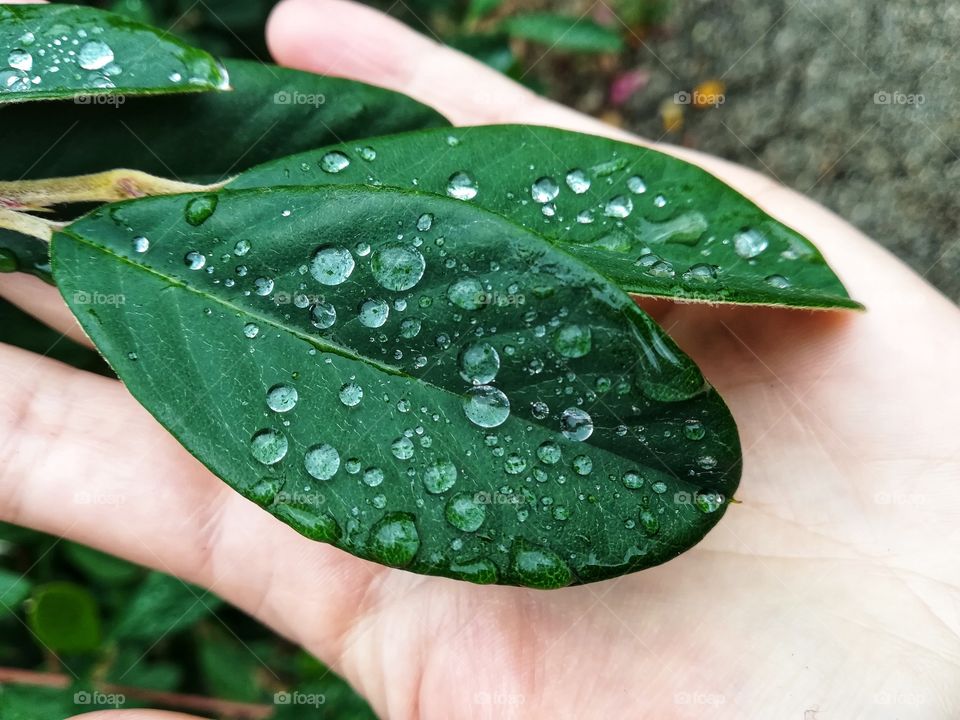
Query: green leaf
point(14, 589)
point(163, 605)
point(579, 34)
point(101, 567)
point(25, 702)
point(272, 112)
point(59, 51)
point(64, 618)
point(651, 223)
point(343, 356)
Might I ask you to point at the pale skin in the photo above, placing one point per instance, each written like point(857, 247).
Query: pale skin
point(831, 592)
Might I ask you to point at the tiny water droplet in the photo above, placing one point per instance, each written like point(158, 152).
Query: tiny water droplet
point(425, 222)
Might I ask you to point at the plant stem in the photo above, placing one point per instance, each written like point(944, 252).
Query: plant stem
point(39, 228)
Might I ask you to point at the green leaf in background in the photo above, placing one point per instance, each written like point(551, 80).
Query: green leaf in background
point(229, 667)
point(409, 377)
point(559, 32)
point(14, 589)
point(101, 567)
point(651, 223)
point(24, 702)
point(161, 606)
point(271, 112)
point(59, 51)
point(64, 618)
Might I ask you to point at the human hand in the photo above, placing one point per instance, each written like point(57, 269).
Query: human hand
point(833, 588)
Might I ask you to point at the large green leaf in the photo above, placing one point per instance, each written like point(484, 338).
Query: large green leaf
point(344, 356)
point(64, 617)
point(271, 112)
point(59, 51)
point(561, 32)
point(651, 223)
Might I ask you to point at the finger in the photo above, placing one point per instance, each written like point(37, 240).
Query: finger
point(82, 460)
point(43, 301)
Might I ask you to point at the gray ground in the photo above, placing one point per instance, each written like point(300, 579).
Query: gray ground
point(802, 76)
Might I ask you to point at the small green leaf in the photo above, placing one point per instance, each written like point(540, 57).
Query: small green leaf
point(272, 112)
point(651, 223)
point(56, 51)
point(409, 377)
point(64, 618)
point(163, 605)
point(561, 32)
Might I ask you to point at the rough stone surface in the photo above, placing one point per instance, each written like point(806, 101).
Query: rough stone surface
point(854, 104)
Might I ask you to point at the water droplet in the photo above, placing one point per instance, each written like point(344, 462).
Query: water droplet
point(397, 266)
point(331, 265)
point(578, 181)
point(251, 330)
point(585, 217)
point(467, 294)
point(514, 464)
point(351, 394)
point(549, 453)
point(368, 153)
point(701, 273)
point(649, 522)
point(461, 186)
point(14, 80)
point(263, 286)
point(659, 487)
point(749, 243)
point(694, 430)
point(548, 210)
point(582, 465)
point(632, 479)
point(323, 315)
point(394, 540)
point(707, 462)
point(440, 477)
point(777, 281)
point(20, 60)
point(268, 446)
point(576, 424)
point(282, 398)
point(140, 244)
point(618, 207)
point(660, 201)
point(200, 209)
point(322, 461)
point(465, 513)
point(402, 448)
point(479, 363)
point(242, 247)
point(334, 161)
point(372, 476)
point(636, 185)
point(424, 222)
point(94, 55)
point(538, 567)
point(480, 571)
point(709, 502)
point(486, 406)
point(539, 409)
point(195, 260)
point(573, 341)
point(410, 328)
point(373, 313)
point(544, 190)
point(352, 466)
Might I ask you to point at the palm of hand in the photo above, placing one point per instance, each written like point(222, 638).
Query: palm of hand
point(833, 588)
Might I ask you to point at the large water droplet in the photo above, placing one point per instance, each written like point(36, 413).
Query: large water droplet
point(694, 430)
point(140, 244)
point(402, 448)
point(394, 541)
point(709, 502)
point(94, 55)
point(440, 477)
point(549, 453)
point(578, 181)
point(20, 60)
point(410, 328)
point(14, 80)
point(486, 406)
point(749, 243)
point(331, 265)
point(636, 185)
point(701, 273)
point(538, 567)
point(263, 286)
point(195, 260)
point(373, 313)
point(576, 424)
point(322, 461)
point(334, 161)
point(573, 341)
point(465, 513)
point(544, 190)
point(351, 394)
point(282, 398)
point(649, 522)
point(251, 330)
point(582, 465)
point(372, 476)
point(461, 186)
point(479, 363)
point(397, 266)
point(618, 207)
point(467, 294)
point(632, 479)
point(323, 315)
point(200, 209)
point(268, 446)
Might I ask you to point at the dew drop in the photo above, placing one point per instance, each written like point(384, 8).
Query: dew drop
point(573, 341)
point(200, 209)
point(352, 466)
point(636, 185)
point(709, 502)
point(410, 328)
point(397, 266)
point(263, 286)
point(701, 273)
point(582, 465)
point(549, 453)
point(749, 243)
point(578, 181)
point(268, 446)
point(440, 477)
point(514, 464)
point(632, 479)
point(777, 281)
point(461, 186)
point(331, 265)
point(486, 406)
point(467, 294)
point(368, 153)
point(649, 522)
point(402, 448)
point(465, 513)
point(373, 313)
point(694, 430)
point(425, 222)
point(282, 398)
point(334, 161)
point(539, 409)
point(576, 424)
point(660, 201)
point(195, 260)
point(394, 540)
point(242, 247)
point(479, 363)
point(251, 330)
point(20, 60)
point(140, 244)
point(585, 217)
point(538, 567)
point(94, 55)
point(322, 461)
point(351, 394)
point(544, 190)
point(323, 315)
point(618, 207)
point(372, 476)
